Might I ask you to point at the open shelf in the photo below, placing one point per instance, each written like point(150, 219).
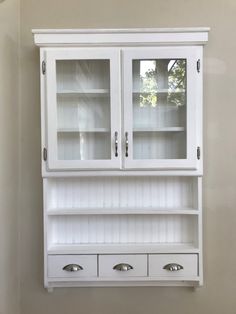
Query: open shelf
point(122, 248)
point(123, 193)
point(121, 211)
point(124, 229)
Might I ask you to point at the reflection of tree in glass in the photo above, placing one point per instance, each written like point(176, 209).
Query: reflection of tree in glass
point(175, 86)
point(148, 88)
point(177, 83)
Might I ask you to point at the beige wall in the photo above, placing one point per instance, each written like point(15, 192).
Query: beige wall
point(9, 25)
point(218, 294)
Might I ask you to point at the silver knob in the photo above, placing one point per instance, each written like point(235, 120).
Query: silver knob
point(72, 267)
point(126, 145)
point(173, 267)
point(123, 267)
point(116, 144)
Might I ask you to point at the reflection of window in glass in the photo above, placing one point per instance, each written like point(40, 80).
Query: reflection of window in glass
point(164, 76)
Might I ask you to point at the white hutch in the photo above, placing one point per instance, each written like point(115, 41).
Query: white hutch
point(121, 114)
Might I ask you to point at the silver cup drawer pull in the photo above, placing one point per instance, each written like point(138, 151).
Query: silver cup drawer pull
point(173, 267)
point(72, 267)
point(123, 267)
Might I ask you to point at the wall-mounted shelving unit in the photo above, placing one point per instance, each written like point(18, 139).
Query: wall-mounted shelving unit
point(122, 163)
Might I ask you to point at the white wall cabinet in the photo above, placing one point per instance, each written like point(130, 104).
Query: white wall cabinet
point(122, 156)
point(149, 123)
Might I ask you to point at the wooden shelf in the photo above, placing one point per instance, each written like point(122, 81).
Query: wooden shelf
point(132, 248)
point(160, 91)
point(165, 129)
point(122, 211)
point(90, 130)
point(105, 130)
point(91, 91)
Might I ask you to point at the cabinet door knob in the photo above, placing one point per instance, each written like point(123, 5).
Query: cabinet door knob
point(116, 144)
point(123, 267)
point(173, 267)
point(126, 145)
point(72, 267)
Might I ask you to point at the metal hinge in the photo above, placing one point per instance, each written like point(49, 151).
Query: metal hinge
point(45, 154)
point(43, 67)
point(198, 65)
point(198, 153)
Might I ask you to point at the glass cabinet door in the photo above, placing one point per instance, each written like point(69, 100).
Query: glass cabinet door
point(83, 108)
point(159, 108)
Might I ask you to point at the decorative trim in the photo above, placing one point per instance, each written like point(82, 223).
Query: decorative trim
point(120, 37)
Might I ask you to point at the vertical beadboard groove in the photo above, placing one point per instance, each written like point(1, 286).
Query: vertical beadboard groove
point(140, 229)
point(160, 192)
point(119, 192)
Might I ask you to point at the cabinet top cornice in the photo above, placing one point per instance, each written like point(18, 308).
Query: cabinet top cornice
point(120, 37)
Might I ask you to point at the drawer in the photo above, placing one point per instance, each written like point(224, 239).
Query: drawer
point(122, 266)
point(77, 266)
point(173, 265)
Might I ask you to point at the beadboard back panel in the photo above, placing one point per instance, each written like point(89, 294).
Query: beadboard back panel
point(117, 229)
point(118, 192)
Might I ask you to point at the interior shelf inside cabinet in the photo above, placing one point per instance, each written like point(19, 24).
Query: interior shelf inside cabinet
point(164, 129)
point(122, 193)
point(92, 92)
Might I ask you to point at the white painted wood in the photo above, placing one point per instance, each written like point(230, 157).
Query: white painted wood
point(132, 282)
point(92, 91)
point(56, 263)
point(43, 113)
point(121, 173)
point(46, 235)
point(153, 129)
point(125, 193)
point(112, 37)
point(107, 263)
point(189, 262)
point(127, 248)
point(200, 232)
point(117, 229)
point(118, 211)
point(50, 290)
point(153, 208)
point(199, 108)
point(121, 30)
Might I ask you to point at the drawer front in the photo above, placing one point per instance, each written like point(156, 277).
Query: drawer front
point(74, 266)
point(122, 266)
point(173, 265)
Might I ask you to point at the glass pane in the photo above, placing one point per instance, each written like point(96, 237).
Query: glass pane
point(159, 109)
point(83, 109)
